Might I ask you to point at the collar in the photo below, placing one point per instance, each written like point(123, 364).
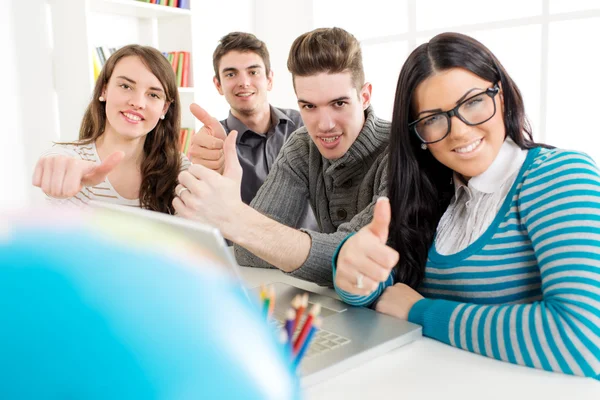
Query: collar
point(277, 117)
point(370, 142)
point(509, 159)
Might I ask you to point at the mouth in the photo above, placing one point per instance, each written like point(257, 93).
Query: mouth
point(134, 118)
point(244, 94)
point(330, 142)
point(470, 148)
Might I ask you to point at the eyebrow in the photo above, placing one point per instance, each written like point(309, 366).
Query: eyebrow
point(134, 82)
point(343, 98)
point(231, 69)
point(464, 96)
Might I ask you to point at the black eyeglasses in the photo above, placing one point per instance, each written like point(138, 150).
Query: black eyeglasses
point(472, 111)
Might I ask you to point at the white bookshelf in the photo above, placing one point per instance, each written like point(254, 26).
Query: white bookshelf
point(79, 26)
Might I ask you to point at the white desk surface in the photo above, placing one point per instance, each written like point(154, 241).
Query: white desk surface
point(427, 369)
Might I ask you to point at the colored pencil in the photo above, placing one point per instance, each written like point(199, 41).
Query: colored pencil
point(314, 312)
point(300, 310)
point(290, 319)
point(316, 325)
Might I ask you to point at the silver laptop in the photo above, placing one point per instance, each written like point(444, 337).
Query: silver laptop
point(349, 336)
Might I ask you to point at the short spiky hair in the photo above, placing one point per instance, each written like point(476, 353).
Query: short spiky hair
point(243, 42)
point(330, 50)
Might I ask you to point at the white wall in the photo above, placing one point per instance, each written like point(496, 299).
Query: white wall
point(28, 105)
point(278, 24)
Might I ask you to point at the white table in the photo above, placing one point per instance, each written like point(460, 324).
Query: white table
point(427, 369)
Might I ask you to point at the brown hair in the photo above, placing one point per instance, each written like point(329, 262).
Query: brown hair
point(330, 50)
point(242, 42)
point(162, 158)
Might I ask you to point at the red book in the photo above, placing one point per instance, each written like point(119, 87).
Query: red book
point(186, 69)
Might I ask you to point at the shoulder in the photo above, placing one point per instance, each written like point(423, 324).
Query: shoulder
point(554, 163)
point(292, 115)
point(185, 162)
point(85, 152)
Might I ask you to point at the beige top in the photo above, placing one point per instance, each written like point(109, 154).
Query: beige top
point(104, 191)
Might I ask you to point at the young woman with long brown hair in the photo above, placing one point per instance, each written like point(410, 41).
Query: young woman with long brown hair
point(128, 147)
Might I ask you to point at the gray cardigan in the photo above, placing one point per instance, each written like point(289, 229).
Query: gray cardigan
point(342, 193)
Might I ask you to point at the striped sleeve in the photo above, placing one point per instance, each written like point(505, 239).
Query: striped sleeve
point(353, 299)
point(559, 206)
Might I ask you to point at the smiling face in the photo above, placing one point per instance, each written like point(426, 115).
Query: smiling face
point(467, 150)
point(332, 110)
point(244, 82)
point(135, 99)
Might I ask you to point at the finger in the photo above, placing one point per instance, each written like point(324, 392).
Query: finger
point(36, 180)
point(348, 280)
point(385, 258)
point(382, 215)
point(59, 168)
point(233, 169)
point(97, 174)
point(197, 172)
point(203, 139)
point(211, 122)
point(47, 175)
point(72, 180)
point(180, 208)
point(206, 154)
point(196, 186)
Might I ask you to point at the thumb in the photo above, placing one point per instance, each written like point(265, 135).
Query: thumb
point(214, 126)
point(96, 174)
point(382, 215)
point(233, 169)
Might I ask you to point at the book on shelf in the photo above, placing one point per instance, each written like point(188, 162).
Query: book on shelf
point(169, 3)
point(179, 60)
point(185, 138)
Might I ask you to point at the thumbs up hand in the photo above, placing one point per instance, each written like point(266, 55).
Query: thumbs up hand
point(209, 197)
point(365, 260)
point(207, 144)
point(63, 177)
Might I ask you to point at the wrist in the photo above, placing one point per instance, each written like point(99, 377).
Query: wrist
point(237, 223)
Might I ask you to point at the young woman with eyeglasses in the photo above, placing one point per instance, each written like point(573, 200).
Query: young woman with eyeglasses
point(494, 240)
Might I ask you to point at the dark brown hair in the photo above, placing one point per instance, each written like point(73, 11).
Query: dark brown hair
point(329, 50)
point(162, 159)
point(420, 187)
point(242, 42)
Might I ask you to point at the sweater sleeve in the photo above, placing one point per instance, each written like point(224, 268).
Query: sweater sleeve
point(559, 207)
point(285, 192)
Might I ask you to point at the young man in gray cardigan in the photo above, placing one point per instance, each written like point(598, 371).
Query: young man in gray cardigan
point(337, 161)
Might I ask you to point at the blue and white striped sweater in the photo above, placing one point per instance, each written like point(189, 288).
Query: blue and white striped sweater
point(528, 290)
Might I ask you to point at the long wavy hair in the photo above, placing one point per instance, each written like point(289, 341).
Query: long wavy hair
point(420, 187)
point(161, 158)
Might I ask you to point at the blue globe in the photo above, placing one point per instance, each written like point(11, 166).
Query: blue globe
point(85, 316)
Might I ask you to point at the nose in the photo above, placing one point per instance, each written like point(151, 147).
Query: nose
point(326, 122)
point(458, 128)
point(137, 100)
point(244, 80)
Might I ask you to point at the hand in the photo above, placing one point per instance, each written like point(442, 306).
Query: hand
point(206, 196)
point(62, 177)
point(397, 300)
point(207, 144)
point(366, 254)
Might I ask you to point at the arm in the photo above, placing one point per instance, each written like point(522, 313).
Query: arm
point(560, 208)
point(318, 254)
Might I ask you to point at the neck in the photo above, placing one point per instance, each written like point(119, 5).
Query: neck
point(258, 121)
point(110, 141)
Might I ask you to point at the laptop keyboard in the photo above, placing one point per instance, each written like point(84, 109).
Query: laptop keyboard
point(322, 342)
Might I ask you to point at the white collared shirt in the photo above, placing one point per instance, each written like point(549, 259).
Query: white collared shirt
point(475, 205)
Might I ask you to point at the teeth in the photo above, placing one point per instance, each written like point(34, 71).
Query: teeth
point(132, 117)
point(245, 94)
point(469, 148)
point(330, 140)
